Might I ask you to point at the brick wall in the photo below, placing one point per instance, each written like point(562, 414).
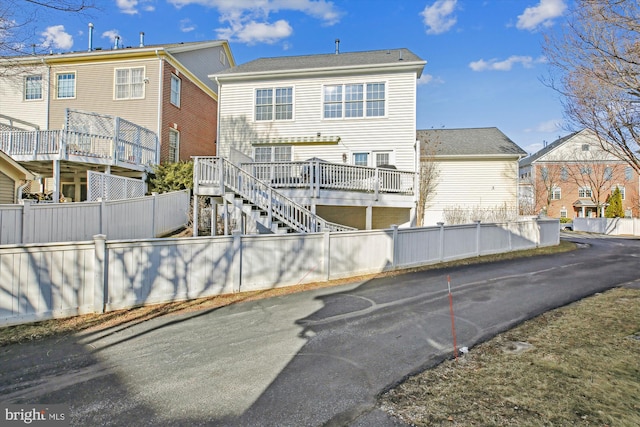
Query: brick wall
point(196, 118)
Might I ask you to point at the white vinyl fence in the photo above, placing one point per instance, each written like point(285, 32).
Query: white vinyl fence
point(140, 218)
point(41, 281)
point(611, 226)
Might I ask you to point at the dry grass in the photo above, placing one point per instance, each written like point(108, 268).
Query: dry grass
point(583, 368)
point(38, 330)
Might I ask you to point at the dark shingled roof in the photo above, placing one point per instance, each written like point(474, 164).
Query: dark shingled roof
point(469, 142)
point(535, 156)
point(323, 61)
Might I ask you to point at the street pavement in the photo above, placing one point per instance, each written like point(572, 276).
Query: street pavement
point(308, 359)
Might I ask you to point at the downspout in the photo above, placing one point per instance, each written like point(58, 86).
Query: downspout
point(217, 141)
point(160, 95)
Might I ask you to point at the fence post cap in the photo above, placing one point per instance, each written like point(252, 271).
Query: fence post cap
point(100, 237)
point(440, 224)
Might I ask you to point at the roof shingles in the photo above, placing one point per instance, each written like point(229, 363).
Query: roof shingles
point(469, 142)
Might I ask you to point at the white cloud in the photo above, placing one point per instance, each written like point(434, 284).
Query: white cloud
point(426, 79)
point(505, 65)
point(542, 14)
point(111, 35)
point(438, 17)
point(248, 20)
point(56, 37)
point(258, 32)
point(550, 126)
point(130, 7)
point(186, 25)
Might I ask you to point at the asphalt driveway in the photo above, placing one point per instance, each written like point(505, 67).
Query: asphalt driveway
point(314, 358)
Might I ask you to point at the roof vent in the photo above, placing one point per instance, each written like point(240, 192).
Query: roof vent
point(400, 55)
point(337, 46)
point(141, 38)
point(90, 36)
point(117, 45)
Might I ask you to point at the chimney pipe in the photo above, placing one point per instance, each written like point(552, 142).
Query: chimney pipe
point(117, 46)
point(337, 46)
point(141, 38)
point(90, 37)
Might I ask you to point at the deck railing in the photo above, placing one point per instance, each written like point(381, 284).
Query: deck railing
point(87, 135)
point(219, 172)
point(319, 175)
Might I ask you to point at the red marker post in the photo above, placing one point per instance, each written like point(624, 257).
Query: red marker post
point(453, 325)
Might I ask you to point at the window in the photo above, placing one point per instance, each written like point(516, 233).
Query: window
point(375, 99)
point(628, 173)
point(354, 100)
point(361, 159)
point(563, 213)
point(383, 158)
point(556, 193)
point(621, 188)
point(175, 90)
point(584, 192)
point(33, 87)
point(279, 106)
point(272, 154)
point(585, 170)
point(129, 83)
point(174, 146)
point(564, 174)
point(608, 173)
point(66, 85)
point(544, 173)
point(585, 147)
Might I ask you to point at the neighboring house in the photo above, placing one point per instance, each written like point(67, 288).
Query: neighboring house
point(162, 88)
point(574, 176)
point(351, 111)
point(13, 177)
point(473, 175)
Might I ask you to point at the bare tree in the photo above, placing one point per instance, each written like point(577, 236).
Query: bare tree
point(428, 178)
point(595, 65)
point(18, 18)
point(547, 181)
point(596, 173)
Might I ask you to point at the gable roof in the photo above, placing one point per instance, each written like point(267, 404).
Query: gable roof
point(327, 63)
point(469, 142)
point(548, 148)
point(7, 161)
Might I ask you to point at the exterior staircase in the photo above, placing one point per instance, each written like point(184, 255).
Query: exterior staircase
point(269, 210)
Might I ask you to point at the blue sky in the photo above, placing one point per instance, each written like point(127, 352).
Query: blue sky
point(484, 57)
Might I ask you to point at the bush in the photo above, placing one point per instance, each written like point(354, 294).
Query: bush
point(171, 177)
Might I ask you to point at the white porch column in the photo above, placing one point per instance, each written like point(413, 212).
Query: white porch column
point(56, 181)
point(369, 216)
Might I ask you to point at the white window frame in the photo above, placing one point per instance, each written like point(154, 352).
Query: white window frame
point(622, 190)
point(354, 100)
point(355, 155)
point(584, 192)
point(556, 193)
point(388, 153)
point(129, 84)
point(176, 90)
point(273, 108)
point(58, 86)
point(174, 146)
point(273, 153)
point(29, 86)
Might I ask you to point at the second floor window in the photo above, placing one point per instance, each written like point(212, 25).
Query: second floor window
point(66, 85)
point(33, 87)
point(584, 192)
point(354, 100)
point(274, 104)
point(175, 90)
point(129, 83)
point(556, 193)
